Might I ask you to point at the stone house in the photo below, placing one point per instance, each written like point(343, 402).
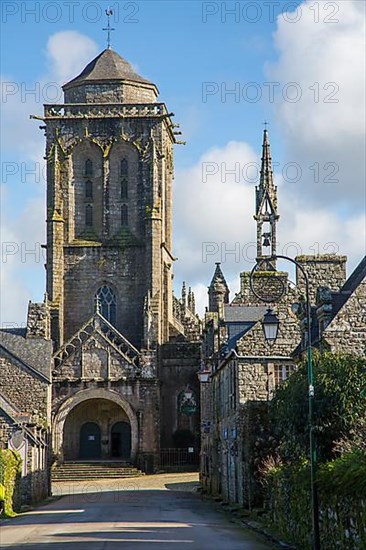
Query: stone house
point(25, 400)
point(241, 369)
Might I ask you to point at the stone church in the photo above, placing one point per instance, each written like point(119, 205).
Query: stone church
point(106, 368)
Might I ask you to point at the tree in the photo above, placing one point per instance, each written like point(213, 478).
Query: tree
point(340, 406)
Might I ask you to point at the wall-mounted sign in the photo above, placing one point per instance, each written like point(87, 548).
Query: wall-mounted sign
point(187, 402)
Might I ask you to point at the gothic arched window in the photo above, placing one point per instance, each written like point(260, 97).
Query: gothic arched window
point(124, 188)
point(88, 189)
point(124, 215)
point(89, 215)
point(124, 179)
point(88, 167)
point(107, 303)
point(124, 167)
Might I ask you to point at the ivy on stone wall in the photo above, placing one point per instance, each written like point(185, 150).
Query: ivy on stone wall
point(10, 474)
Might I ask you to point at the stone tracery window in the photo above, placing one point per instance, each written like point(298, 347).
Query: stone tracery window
point(106, 299)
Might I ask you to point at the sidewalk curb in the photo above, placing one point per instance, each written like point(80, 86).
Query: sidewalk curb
point(235, 510)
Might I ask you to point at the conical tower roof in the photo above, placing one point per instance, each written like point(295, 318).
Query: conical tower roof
point(266, 174)
point(218, 279)
point(107, 66)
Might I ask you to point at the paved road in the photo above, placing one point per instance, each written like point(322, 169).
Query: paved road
point(151, 512)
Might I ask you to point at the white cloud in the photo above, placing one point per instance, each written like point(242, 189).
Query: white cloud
point(68, 53)
point(220, 213)
point(326, 125)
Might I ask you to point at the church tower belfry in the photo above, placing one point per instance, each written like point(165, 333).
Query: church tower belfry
point(266, 213)
point(110, 171)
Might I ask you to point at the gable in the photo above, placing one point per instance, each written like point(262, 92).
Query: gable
point(97, 352)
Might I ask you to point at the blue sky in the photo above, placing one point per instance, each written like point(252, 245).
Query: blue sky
point(180, 46)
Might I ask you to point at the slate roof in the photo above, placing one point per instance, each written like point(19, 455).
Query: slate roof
point(107, 66)
point(34, 352)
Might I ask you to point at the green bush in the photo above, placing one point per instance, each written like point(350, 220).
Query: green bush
point(10, 474)
point(340, 406)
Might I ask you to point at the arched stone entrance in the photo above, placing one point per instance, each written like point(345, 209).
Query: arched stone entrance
point(95, 422)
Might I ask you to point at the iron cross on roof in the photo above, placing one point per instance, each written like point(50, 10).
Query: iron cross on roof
point(108, 28)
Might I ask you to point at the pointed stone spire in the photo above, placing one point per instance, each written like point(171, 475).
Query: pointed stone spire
point(266, 214)
point(184, 295)
point(218, 291)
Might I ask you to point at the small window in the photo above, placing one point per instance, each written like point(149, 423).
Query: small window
point(89, 216)
point(88, 189)
point(124, 167)
point(107, 303)
point(282, 372)
point(124, 190)
point(124, 215)
point(88, 167)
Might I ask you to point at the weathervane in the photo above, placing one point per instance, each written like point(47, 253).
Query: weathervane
point(108, 28)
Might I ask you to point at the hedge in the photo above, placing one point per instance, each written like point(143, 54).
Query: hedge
point(10, 475)
point(342, 501)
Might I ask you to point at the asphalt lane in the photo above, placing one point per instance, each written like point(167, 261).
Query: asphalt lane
point(156, 512)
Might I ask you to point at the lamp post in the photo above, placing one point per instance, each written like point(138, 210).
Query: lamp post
point(270, 326)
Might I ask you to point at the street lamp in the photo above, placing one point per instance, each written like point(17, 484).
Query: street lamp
point(270, 326)
point(203, 376)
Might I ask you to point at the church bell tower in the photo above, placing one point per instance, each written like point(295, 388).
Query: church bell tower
point(109, 203)
point(266, 214)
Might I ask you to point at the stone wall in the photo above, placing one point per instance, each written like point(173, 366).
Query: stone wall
point(322, 270)
point(38, 321)
point(127, 92)
point(346, 333)
point(26, 390)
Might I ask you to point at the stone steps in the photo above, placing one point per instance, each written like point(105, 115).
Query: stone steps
point(88, 471)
